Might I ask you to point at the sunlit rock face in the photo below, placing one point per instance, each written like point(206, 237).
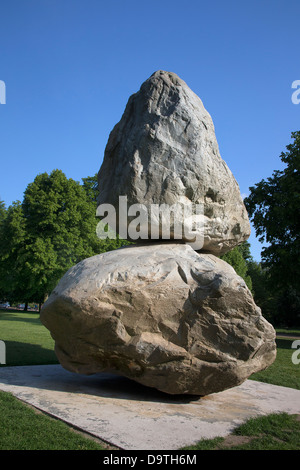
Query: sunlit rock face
point(162, 315)
point(164, 151)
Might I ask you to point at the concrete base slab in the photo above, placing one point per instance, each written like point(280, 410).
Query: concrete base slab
point(133, 417)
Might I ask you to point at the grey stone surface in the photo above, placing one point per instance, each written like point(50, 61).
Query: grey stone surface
point(162, 315)
point(164, 151)
point(132, 417)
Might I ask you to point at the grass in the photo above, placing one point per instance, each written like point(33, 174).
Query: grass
point(282, 371)
point(288, 331)
point(23, 428)
point(28, 342)
point(276, 431)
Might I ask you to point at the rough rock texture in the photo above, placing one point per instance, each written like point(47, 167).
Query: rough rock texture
point(162, 315)
point(164, 150)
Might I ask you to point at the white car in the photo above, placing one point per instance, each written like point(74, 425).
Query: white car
point(5, 305)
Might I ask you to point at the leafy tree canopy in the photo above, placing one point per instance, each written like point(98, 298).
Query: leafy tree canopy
point(51, 230)
point(90, 185)
point(274, 207)
point(12, 234)
point(238, 258)
point(2, 210)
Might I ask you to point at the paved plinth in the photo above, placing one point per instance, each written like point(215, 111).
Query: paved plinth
point(133, 417)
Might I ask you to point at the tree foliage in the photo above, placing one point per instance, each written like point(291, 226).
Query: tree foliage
point(2, 211)
point(238, 258)
point(90, 185)
point(12, 233)
point(256, 277)
point(274, 207)
point(51, 230)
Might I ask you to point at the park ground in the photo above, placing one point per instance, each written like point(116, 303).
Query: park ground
point(28, 342)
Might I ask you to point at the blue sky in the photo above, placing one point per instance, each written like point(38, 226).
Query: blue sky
point(69, 67)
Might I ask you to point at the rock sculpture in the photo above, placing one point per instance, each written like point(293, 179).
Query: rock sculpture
point(160, 312)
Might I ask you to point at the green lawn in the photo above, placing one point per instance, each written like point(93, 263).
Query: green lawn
point(22, 428)
point(272, 432)
point(28, 342)
point(282, 371)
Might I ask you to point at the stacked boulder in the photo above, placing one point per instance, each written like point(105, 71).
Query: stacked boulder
point(166, 312)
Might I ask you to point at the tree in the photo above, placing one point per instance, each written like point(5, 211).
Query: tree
point(261, 289)
point(60, 230)
point(12, 242)
point(274, 207)
point(256, 278)
point(238, 258)
point(2, 217)
point(42, 237)
point(2, 211)
point(51, 230)
point(90, 185)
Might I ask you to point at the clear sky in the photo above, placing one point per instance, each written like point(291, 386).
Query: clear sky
point(69, 67)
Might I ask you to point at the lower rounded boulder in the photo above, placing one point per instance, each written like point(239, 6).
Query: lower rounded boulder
point(163, 315)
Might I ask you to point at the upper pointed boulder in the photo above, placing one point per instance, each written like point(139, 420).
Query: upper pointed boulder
point(164, 151)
